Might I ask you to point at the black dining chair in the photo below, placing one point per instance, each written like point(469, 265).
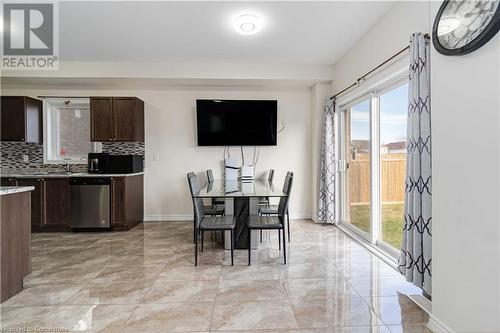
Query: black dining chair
point(211, 210)
point(271, 222)
point(273, 209)
point(210, 180)
point(270, 177)
point(265, 200)
point(203, 223)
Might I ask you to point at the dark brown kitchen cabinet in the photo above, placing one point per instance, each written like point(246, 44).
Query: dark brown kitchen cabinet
point(21, 119)
point(5, 181)
point(36, 201)
point(56, 204)
point(15, 242)
point(50, 209)
point(101, 118)
point(116, 119)
point(127, 202)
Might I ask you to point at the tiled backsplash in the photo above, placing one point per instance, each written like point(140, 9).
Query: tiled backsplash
point(11, 155)
point(123, 148)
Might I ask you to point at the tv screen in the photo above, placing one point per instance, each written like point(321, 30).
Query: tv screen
point(236, 122)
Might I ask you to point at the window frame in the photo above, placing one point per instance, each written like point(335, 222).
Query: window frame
point(385, 80)
point(51, 137)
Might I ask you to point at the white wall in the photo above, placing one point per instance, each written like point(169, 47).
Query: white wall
point(466, 188)
point(170, 132)
point(388, 36)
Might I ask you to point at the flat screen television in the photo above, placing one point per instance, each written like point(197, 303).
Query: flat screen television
point(236, 122)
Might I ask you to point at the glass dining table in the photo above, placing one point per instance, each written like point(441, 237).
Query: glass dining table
point(241, 200)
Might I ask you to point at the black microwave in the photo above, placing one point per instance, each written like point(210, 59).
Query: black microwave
point(112, 164)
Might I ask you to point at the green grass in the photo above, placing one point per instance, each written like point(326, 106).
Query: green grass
point(392, 221)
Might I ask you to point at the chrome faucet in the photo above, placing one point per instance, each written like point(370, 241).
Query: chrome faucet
point(67, 167)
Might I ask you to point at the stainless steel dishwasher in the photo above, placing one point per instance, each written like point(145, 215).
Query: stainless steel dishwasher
point(90, 202)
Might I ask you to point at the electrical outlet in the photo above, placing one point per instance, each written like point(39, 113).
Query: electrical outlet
point(156, 157)
point(25, 158)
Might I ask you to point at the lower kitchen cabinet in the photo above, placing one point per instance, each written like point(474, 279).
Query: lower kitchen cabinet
point(127, 202)
point(37, 209)
point(56, 203)
point(50, 202)
point(8, 181)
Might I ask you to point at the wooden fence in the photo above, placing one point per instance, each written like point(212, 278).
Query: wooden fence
point(392, 173)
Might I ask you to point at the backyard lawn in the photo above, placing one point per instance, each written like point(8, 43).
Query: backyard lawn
point(392, 221)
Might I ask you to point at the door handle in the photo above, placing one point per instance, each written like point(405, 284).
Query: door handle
point(343, 165)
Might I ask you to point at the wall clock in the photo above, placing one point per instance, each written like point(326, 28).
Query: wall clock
point(462, 27)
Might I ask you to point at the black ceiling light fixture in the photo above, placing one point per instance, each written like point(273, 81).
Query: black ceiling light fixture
point(462, 26)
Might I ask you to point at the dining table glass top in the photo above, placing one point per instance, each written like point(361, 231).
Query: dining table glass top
point(236, 188)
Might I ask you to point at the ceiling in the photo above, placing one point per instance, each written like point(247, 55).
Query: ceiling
point(293, 32)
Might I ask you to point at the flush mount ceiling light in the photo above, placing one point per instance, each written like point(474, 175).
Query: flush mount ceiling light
point(247, 24)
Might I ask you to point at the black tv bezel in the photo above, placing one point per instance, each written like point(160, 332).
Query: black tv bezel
point(275, 143)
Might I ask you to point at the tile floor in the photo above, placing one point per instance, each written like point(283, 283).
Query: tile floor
point(144, 280)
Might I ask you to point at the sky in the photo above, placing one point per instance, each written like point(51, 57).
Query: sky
point(393, 115)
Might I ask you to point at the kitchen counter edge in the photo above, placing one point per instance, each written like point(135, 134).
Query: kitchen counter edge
point(4, 190)
point(72, 175)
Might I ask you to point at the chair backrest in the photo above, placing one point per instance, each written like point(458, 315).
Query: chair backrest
point(287, 184)
point(194, 187)
point(270, 176)
point(210, 176)
point(283, 205)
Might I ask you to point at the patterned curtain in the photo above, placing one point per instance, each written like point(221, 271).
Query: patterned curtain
point(326, 204)
point(415, 259)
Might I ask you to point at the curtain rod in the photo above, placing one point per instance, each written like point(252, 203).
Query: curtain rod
point(373, 70)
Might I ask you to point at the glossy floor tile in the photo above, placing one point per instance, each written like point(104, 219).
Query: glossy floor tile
point(145, 280)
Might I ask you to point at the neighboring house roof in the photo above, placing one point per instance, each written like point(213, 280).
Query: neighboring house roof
point(401, 145)
point(360, 144)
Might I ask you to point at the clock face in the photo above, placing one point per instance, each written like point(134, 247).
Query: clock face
point(464, 26)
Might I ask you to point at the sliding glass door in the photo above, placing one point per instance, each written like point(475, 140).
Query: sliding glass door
point(357, 172)
point(393, 116)
point(373, 165)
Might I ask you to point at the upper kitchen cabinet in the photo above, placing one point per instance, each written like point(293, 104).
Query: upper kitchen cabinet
point(116, 119)
point(21, 119)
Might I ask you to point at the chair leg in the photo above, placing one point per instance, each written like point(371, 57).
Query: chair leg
point(249, 245)
point(194, 232)
point(232, 247)
point(284, 247)
point(261, 236)
point(288, 224)
point(279, 239)
point(202, 237)
point(195, 248)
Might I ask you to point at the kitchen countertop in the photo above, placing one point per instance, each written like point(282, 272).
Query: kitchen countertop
point(4, 190)
point(14, 174)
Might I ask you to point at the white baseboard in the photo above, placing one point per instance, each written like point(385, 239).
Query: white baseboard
point(437, 326)
point(189, 217)
point(422, 302)
point(300, 216)
point(168, 218)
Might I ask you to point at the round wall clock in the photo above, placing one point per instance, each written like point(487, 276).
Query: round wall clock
point(464, 26)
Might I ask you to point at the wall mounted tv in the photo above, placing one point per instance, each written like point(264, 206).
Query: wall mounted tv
point(236, 122)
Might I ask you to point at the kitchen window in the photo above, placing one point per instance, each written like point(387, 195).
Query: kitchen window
point(67, 130)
